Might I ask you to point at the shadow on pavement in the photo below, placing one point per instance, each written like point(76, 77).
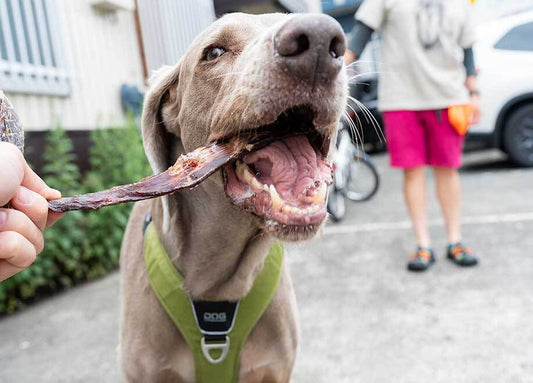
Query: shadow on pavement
point(499, 164)
point(486, 160)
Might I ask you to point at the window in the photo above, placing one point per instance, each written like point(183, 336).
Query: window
point(31, 53)
point(520, 38)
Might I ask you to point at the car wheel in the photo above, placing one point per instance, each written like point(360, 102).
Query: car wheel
point(518, 136)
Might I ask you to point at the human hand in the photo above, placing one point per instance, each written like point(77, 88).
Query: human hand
point(349, 57)
point(476, 109)
point(21, 228)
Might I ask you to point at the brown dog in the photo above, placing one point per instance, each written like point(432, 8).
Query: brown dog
point(278, 72)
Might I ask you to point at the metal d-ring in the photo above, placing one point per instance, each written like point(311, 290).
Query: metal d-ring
point(224, 347)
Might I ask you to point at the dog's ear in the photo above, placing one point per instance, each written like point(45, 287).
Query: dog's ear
point(163, 84)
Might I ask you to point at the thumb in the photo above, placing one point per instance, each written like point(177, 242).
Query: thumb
point(12, 171)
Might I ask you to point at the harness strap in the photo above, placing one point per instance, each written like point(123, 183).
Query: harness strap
point(216, 359)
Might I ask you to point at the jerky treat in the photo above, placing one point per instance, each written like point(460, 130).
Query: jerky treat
point(10, 126)
point(188, 171)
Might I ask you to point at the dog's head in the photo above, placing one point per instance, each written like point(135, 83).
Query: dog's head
point(244, 74)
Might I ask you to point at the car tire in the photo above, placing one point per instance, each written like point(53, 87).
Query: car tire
point(518, 136)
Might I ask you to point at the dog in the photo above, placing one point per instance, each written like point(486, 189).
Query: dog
point(243, 73)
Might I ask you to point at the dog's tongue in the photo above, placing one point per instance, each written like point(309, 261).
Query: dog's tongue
point(291, 165)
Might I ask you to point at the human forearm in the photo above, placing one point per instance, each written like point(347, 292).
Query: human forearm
point(469, 62)
point(359, 37)
point(471, 85)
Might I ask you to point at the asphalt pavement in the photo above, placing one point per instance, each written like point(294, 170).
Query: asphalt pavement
point(363, 317)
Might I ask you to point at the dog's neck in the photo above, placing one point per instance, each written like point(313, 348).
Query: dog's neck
point(217, 248)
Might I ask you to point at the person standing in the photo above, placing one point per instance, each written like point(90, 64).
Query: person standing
point(427, 89)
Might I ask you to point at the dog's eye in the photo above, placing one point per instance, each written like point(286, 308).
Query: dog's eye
point(213, 53)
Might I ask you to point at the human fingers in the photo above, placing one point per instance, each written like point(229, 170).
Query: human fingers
point(17, 221)
point(33, 182)
point(33, 205)
point(51, 194)
point(53, 217)
point(349, 57)
point(11, 171)
point(16, 253)
point(476, 114)
point(15, 171)
point(8, 270)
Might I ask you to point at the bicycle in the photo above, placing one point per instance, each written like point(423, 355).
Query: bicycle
point(354, 176)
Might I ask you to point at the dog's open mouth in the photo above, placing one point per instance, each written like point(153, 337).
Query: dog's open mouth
point(284, 183)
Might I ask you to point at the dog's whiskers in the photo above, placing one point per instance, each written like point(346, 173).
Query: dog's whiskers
point(357, 133)
point(354, 131)
point(360, 75)
point(369, 118)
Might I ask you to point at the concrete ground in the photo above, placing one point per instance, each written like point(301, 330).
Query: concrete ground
point(364, 318)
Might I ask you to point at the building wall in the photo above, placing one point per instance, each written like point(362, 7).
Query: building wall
point(169, 27)
point(101, 53)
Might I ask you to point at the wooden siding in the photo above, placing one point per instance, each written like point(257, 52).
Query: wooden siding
point(101, 53)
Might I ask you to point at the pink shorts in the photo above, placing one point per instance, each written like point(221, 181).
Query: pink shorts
point(422, 137)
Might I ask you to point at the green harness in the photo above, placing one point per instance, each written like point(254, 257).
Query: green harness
point(216, 348)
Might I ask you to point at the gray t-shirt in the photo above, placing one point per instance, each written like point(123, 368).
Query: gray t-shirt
point(422, 51)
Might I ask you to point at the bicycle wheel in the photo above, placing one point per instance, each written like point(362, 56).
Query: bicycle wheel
point(336, 205)
point(363, 181)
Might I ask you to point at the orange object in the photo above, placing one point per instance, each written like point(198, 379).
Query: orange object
point(460, 117)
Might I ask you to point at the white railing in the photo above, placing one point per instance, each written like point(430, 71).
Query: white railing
point(31, 50)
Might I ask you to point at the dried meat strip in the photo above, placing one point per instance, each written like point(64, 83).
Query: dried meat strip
point(188, 171)
point(10, 125)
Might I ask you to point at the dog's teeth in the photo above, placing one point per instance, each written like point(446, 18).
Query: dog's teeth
point(266, 188)
point(320, 195)
point(248, 176)
point(256, 184)
point(239, 170)
point(286, 209)
point(276, 199)
point(244, 171)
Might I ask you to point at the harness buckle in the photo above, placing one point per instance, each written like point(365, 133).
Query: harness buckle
point(223, 347)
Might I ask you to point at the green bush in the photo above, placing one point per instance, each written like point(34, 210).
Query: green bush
point(83, 245)
point(116, 158)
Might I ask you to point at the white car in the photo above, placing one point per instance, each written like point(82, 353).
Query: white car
point(504, 57)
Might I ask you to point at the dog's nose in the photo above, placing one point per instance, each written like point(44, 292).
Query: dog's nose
point(311, 47)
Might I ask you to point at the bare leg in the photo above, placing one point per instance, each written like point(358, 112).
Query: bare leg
point(448, 188)
point(415, 193)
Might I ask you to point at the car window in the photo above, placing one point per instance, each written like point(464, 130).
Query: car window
point(520, 38)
